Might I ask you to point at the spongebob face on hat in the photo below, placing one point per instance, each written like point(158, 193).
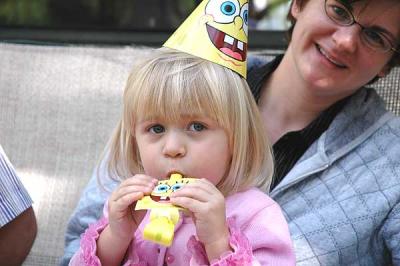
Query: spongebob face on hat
point(227, 27)
point(216, 31)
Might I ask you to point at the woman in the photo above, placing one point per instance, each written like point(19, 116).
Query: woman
point(337, 149)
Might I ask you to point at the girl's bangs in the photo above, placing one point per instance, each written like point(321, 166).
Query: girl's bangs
point(177, 94)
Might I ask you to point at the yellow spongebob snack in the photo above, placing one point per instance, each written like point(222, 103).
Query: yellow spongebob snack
point(163, 214)
point(215, 31)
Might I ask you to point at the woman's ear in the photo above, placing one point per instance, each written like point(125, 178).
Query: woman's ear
point(385, 70)
point(295, 8)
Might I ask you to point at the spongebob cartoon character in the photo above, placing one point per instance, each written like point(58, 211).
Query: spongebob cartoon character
point(163, 214)
point(216, 31)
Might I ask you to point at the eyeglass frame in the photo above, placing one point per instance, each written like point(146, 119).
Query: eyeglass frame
point(353, 21)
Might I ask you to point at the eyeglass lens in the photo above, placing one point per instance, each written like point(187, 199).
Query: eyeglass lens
point(341, 15)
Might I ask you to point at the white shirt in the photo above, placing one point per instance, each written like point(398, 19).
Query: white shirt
point(14, 199)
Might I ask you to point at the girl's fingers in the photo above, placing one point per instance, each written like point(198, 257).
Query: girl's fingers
point(122, 191)
point(125, 201)
point(201, 210)
point(187, 203)
point(141, 183)
point(199, 202)
point(139, 180)
point(192, 192)
point(205, 185)
point(201, 190)
point(196, 205)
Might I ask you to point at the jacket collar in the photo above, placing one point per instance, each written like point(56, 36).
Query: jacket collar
point(363, 114)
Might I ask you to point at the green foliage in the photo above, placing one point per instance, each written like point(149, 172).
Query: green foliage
point(102, 13)
point(20, 12)
point(276, 3)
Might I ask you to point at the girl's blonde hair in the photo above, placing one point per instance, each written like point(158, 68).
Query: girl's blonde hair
point(166, 83)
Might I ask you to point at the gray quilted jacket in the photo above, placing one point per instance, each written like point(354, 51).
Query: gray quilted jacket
point(342, 198)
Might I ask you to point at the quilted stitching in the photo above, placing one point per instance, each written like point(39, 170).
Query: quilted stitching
point(349, 214)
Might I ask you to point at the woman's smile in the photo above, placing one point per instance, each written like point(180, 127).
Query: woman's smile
point(330, 58)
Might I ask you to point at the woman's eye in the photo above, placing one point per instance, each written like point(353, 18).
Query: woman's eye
point(341, 13)
point(157, 129)
point(374, 37)
point(197, 126)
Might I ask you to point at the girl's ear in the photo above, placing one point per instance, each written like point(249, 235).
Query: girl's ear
point(295, 8)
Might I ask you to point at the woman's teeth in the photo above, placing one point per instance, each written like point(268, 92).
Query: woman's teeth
point(330, 59)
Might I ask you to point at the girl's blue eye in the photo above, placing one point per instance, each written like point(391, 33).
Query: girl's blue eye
point(197, 126)
point(177, 186)
point(157, 129)
point(228, 8)
point(161, 188)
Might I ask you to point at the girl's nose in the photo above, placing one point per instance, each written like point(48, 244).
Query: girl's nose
point(174, 145)
point(347, 38)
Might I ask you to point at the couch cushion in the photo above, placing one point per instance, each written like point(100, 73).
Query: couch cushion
point(58, 106)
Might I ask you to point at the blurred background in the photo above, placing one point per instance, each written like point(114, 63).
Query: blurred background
point(147, 22)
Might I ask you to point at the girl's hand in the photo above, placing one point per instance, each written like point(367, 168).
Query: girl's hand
point(207, 205)
point(123, 220)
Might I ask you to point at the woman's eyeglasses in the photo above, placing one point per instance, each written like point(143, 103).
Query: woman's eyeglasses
point(376, 39)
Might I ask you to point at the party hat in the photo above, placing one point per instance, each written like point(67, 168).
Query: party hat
point(215, 31)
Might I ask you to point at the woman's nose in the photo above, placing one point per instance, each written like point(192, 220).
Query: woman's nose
point(347, 38)
point(174, 145)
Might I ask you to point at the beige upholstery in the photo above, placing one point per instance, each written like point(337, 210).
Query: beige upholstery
point(58, 105)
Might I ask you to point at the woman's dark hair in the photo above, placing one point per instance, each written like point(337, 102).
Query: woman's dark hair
point(395, 61)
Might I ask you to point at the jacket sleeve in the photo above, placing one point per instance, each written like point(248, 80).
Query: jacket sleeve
point(391, 234)
point(255, 61)
point(88, 210)
point(265, 240)
point(87, 253)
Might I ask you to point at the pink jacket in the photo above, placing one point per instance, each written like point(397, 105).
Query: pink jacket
point(259, 235)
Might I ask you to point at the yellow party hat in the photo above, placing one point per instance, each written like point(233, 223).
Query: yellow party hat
point(215, 31)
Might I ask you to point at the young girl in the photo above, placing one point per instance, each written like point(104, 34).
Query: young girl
point(183, 114)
